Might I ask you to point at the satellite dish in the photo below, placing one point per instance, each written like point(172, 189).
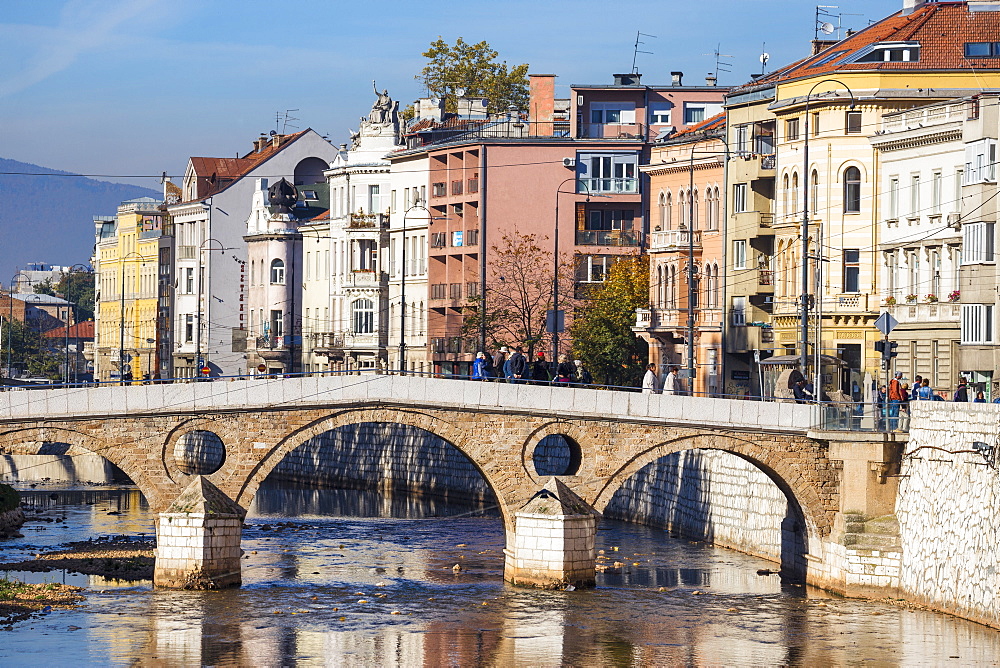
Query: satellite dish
point(826, 28)
point(460, 92)
point(764, 57)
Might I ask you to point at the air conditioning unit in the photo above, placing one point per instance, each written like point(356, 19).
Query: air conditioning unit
point(569, 162)
point(955, 220)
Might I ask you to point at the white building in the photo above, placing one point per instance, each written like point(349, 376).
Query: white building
point(210, 265)
point(922, 157)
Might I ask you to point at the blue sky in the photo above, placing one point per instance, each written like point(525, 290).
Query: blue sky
point(120, 87)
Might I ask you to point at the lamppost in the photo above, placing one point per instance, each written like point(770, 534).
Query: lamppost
point(69, 285)
point(10, 323)
point(804, 315)
point(121, 317)
point(555, 263)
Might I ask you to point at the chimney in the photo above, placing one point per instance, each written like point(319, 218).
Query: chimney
point(675, 78)
point(711, 79)
point(910, 6)
point(472, 107)
point(430, 108)
point(541, 103)
point(984, 5)
point(821, 45)
point(631, 79)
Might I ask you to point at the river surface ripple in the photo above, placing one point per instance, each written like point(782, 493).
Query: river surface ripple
point(344, 577)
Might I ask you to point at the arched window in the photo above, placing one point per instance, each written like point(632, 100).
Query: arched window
point(852, 190)
point(668, 223)
point(672, 296)
point(659, 285)
point(715, 285)
point(694, 210)
point(662, 204)
point(814, 191)
point(795, 192)
point(277, 272)
point(363, 316)
point(784, 195)
point(682, 203)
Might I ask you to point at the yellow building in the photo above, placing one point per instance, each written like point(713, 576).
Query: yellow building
point(829, 104)
point(131, 249)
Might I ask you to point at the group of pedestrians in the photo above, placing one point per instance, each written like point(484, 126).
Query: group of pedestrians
point(517, 368)
point(894, 401)
point(669, 384)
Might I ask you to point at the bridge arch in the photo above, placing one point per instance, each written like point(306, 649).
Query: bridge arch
point(33, 441)
point(579, 438)
point(479, 454)
point(781, 467)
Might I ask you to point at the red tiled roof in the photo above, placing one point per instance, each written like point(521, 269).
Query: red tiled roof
point(216, 174)
point(81, 330)
point(941, 29)
point(713, 123)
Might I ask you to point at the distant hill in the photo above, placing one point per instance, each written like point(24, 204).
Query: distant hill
point(51, 218)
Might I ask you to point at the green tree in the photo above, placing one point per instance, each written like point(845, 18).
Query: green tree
point(602, 329)
point(28, 350)
point(474, 68)
point(518, 294)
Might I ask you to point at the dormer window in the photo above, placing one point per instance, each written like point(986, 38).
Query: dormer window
point(888, 52)
point(309, 195)
point(982, 49)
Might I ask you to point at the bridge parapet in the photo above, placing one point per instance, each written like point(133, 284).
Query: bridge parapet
point(416, 391)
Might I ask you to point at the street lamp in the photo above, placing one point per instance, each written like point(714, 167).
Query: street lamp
point(201, 270)
point(121, 316)
point(555, 262)
point(10, 322)
point(804, 315)
point(402, 285)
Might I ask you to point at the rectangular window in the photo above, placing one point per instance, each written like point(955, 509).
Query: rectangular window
point(978, 243)
point(915, 196)
point(980, 161)
point(740, 198)
point(277, 323)
point(852, 270)
point(593, 268)
point(608, 173)
point(894, 198)
point(392, 202)
point(740, 254)
point(693, 113)
point(189, 280)
point(853, 123)
point(791, 129)
point(982, 49)
point(742, 139)
point(610, 219)
point(739, 311)
point(815, 124)
point(659, 113)
point(936, 181)
point(188, 328)
point(977, 323)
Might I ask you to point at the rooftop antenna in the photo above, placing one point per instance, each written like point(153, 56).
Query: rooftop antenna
point(636, 52)
point(720, 66)
point(764, 57)
point(281, 121)
point(821, 24)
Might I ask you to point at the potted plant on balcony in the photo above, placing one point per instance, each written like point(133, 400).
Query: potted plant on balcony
point(931, 298)
point(890, 301)
point(911, 299)
point(954, 296)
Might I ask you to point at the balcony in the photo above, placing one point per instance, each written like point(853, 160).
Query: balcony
point(768, 162)
point(765, 277)
point(935, 312)
point(363, 221)
point(671, 241)
point(275, 348)
point(330, 344)
point(364, 278)
point(753, 223)
point(187, 252)
point(608, 238)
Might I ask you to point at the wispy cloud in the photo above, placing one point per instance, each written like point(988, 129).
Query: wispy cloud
point(84, 26)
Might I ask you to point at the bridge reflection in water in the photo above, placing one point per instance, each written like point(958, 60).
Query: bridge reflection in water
point(306, 576)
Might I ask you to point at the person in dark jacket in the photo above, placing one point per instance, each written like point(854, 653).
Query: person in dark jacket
point(962, 393)
point(500, 363)
point(517, 365)
point(540, 370)
point(566, 371)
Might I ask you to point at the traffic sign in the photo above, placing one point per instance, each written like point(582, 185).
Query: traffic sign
point(205, 371)
point(262, 368)
point(885, 323)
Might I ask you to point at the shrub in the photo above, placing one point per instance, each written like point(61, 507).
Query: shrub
point(9, 498)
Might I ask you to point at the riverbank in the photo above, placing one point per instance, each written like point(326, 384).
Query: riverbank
point(19, 600)
point(128, 560)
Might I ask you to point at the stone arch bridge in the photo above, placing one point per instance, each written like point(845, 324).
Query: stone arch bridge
point(199, 451)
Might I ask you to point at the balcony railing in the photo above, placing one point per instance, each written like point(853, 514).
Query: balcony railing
point(768, 162)
point(935, 312)
point(608, 238)
point(360, 221)
point(765, 277)
point(611, 131)
point(667, 241)
point(187, 252)
point(326, 341)
point(277, 342)
point(614, 185)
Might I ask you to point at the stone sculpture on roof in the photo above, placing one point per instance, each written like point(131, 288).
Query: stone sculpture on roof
point(383, 119)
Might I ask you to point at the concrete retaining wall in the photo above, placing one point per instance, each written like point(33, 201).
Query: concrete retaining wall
point(708, 495)
point(60, 468)
point(948, 511)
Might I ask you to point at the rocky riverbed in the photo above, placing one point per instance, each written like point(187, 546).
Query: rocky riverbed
point(121, 559)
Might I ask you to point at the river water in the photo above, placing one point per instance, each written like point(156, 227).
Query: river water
point(339, 577)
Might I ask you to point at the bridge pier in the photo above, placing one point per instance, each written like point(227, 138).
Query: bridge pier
point(553, 541)
point(198, 540)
